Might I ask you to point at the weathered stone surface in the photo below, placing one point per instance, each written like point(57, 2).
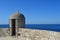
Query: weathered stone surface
point(30, 34)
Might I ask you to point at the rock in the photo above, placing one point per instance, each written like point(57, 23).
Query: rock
point(30, 34)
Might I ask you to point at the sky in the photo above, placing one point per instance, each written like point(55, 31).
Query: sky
point(35, 11)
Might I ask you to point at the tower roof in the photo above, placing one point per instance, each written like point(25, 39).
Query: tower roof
point(17, 15)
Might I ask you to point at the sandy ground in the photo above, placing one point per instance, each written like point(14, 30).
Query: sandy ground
point(30, 34)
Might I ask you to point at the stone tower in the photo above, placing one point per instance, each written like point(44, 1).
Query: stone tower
point(17, 20)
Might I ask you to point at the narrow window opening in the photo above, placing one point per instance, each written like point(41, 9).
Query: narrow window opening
point(13, 33)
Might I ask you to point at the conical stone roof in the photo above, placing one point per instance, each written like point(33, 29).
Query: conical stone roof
point(17, 15)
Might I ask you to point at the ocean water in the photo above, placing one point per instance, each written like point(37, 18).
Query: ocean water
point(51, 27)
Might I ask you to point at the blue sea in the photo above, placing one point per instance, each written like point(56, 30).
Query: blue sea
point(51, 27)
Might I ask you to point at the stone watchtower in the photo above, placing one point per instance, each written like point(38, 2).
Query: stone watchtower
point(17, 21)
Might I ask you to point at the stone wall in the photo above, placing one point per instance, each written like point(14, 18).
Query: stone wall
point(31, 34)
